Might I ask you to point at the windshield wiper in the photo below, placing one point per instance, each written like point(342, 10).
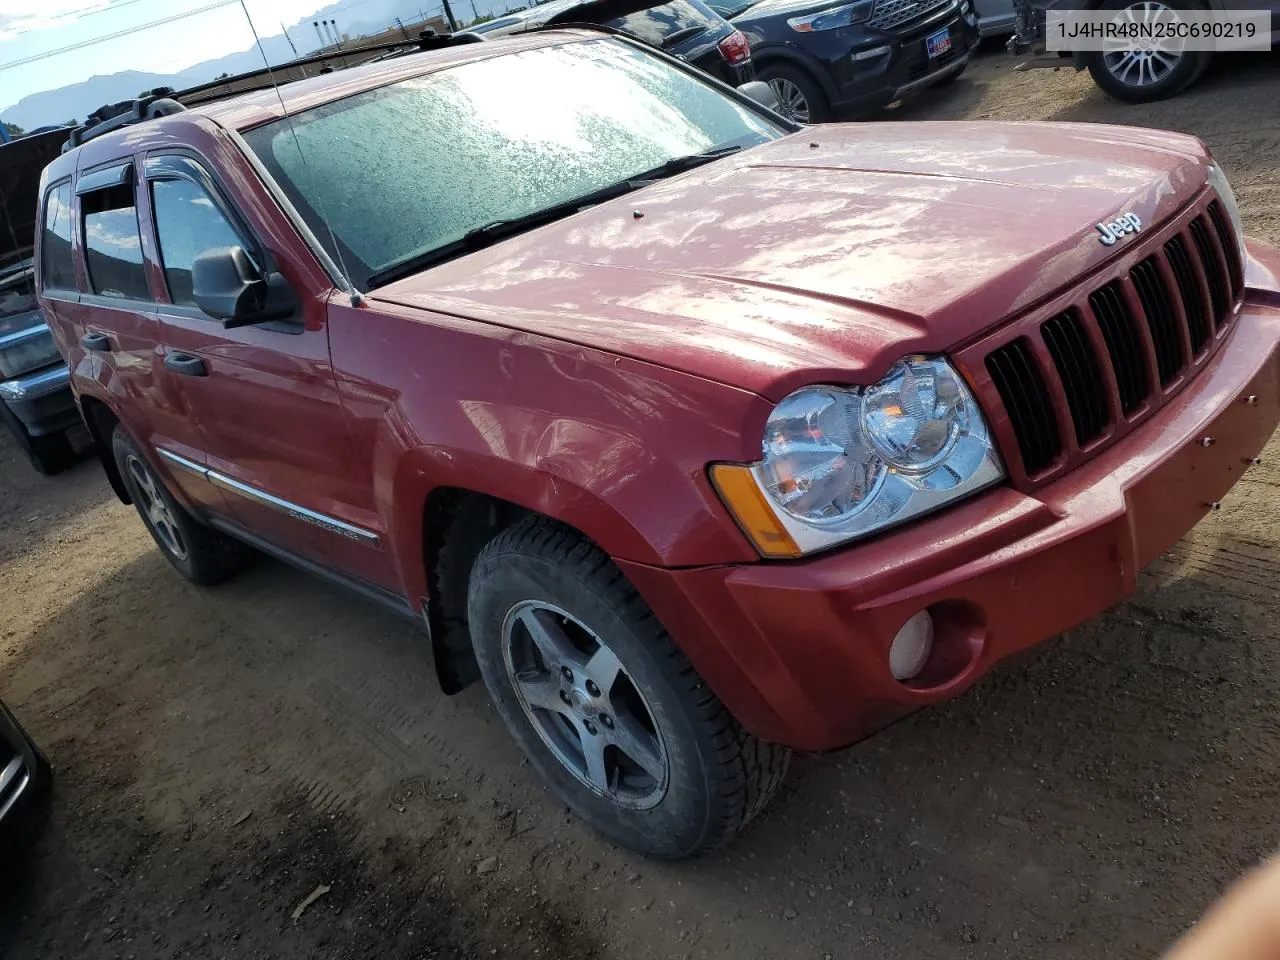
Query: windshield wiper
point(489, 233)
point(681, 164)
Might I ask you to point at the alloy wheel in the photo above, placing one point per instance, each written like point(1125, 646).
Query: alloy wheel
point(156, 508)
point(1142, 63)
point(791, 99)
point(584, 705)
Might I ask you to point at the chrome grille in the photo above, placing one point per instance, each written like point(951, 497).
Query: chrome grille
point(890, 14)
point(1115, 350)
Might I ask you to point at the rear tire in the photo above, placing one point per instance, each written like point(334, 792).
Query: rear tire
point(48, 454)
point(1142, 79)
point(199, 553)
point(799, 96)
point(580, 668)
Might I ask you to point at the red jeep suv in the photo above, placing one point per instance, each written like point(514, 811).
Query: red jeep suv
point(699, 436)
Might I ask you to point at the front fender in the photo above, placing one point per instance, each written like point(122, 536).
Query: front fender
point(616, 448)
point(424, 470)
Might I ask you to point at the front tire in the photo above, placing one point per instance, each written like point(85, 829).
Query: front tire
point(1135, 76)
point(604, 704)
point(201, 554)
point(799, 96)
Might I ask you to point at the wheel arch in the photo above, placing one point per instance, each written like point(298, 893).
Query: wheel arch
point(446, 524)
point(101, 421)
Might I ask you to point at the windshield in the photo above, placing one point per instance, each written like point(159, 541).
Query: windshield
point(402, 170)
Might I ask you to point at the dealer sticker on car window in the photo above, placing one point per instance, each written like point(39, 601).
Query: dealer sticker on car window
point(939, 43)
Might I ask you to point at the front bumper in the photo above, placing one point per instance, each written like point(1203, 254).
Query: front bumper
point(42, 401)
point(24, 778)
point(799, 651)
point(905, 68)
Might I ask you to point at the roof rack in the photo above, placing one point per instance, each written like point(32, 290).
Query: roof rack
point(264, 78)
point(163, 101)
point(113, 116)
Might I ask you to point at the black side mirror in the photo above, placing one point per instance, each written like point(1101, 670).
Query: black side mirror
point(228, 286)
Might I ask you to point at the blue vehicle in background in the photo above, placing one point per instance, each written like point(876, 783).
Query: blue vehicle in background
point(835, 58)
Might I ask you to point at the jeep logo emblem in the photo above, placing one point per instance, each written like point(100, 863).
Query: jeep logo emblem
point(1117, 228)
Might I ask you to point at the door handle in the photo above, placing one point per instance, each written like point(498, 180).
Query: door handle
point(185, 364)
point(99, 342)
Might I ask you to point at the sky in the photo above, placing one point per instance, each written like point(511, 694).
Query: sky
point(201, 30)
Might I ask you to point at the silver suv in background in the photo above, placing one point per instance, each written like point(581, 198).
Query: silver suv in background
point(36, 404)
point(1137, 72)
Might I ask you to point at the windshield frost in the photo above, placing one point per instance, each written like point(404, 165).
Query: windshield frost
point(404, 169)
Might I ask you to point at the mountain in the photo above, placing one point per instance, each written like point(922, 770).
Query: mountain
point(78, 100)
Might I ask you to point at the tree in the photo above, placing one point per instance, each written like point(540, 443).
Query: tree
point(12, 129)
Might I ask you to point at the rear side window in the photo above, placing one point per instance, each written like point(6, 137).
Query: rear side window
point(57, 272)
point(188, 223)
point(657, 24)
point(112, 246)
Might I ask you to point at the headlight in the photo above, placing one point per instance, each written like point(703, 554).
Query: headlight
point(834, 18)
point(840, 463)
point(1218, 180)
point(23, 354)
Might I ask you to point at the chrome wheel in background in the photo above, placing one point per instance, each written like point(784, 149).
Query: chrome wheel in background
point(1143, 63)
point(791, 99)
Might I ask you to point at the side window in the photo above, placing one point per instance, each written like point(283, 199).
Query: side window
point(188, 223)
point(57, 272)
point(112, 247)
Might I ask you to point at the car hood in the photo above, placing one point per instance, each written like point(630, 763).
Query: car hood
point(771, 8)
point(21, 163)
point(828, 254)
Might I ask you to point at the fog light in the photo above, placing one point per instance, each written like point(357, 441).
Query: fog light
point(911, 647)
point(871, 54)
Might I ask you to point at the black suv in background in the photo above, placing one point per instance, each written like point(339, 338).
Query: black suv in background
point(36, 404)
point(688, 29)
point(824, 57)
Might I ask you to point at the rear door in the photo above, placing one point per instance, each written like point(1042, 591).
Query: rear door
point(113, 318)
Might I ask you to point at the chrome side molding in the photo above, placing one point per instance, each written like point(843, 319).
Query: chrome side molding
point(321, 520)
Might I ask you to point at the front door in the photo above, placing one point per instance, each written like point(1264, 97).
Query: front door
point(263, 397)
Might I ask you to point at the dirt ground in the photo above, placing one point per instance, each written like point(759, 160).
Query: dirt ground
point(221, 754)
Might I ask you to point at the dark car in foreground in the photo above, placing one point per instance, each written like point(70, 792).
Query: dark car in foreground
point(688, 29)
point(698, 435)
point(24, 779)
point(36, 404)
point(829, 57)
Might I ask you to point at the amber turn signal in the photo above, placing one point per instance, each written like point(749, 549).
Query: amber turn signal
point(746, 501)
